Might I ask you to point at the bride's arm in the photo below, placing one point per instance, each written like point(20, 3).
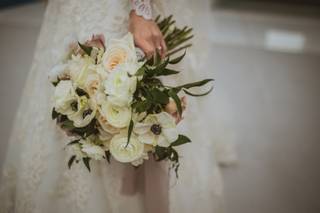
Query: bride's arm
point(146, 33)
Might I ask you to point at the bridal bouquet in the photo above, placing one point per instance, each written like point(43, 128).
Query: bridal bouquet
point(113, 103)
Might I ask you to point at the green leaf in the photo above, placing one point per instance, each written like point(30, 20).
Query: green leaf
point(55, 83)
point(174, 156)
point(157, 18)
point(177, 100)
point(67, 124)
point(71, 160)
point(168, 72)
point(194, 84)
point(130, 131)
point(159, 96)
point(156, 59)
point(178, 49)
point(178, 59)
point(141, 71)
point(85, 48)
point(153, 82)
point(198, 95)
point(54, 114)
point(182, 139)
point(161, 153)
point(158, 68)
point(73, 142)
point(142, 106)
point(176, 168)
point(86, 131)
point(162, 65)
point(107, 156)
point(61, 118)
point(86, 162)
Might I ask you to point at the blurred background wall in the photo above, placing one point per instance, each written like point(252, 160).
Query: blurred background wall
point(265, 57)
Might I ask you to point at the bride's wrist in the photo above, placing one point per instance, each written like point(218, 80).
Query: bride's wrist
point(142, 8)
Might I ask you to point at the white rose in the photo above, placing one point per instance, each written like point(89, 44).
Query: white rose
point(119, 51)
point(123, 153)
point(64, 96)
point(92, 150)
point(157, 129)
point(120, 86)
point(116, 116)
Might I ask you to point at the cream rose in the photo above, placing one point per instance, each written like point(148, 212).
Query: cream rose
point(116, 116)
point(119, 51)
point(106, 126)
point(123, 153)
point(120, 86)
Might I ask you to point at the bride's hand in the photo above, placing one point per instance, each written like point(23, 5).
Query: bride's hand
point(147, 35)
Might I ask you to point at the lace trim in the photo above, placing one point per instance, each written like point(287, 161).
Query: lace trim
point(142, 8)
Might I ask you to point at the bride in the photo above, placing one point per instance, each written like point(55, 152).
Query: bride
point(35, 177)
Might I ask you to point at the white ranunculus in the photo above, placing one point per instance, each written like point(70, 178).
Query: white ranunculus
point(116, 116)
point(123, 153)
point(120, 86)
point(119, 51)
point(86, 111)
point(157, 129)
point(64, 96)
point(92, 150)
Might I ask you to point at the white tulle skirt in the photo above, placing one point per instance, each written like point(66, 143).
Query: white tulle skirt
point(35, 177)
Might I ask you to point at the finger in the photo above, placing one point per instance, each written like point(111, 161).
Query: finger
point(164, 47)
point(157, 44)
point(148, 49)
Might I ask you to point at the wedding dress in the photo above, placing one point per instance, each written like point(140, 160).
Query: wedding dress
point(35, 176)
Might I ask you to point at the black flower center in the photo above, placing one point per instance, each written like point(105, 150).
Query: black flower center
point(156, 129)
point(86, 113)
point(74, 106)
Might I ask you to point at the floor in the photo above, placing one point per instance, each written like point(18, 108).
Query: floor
point(267, 84)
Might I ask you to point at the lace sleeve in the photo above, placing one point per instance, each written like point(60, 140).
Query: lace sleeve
point(142, 8)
